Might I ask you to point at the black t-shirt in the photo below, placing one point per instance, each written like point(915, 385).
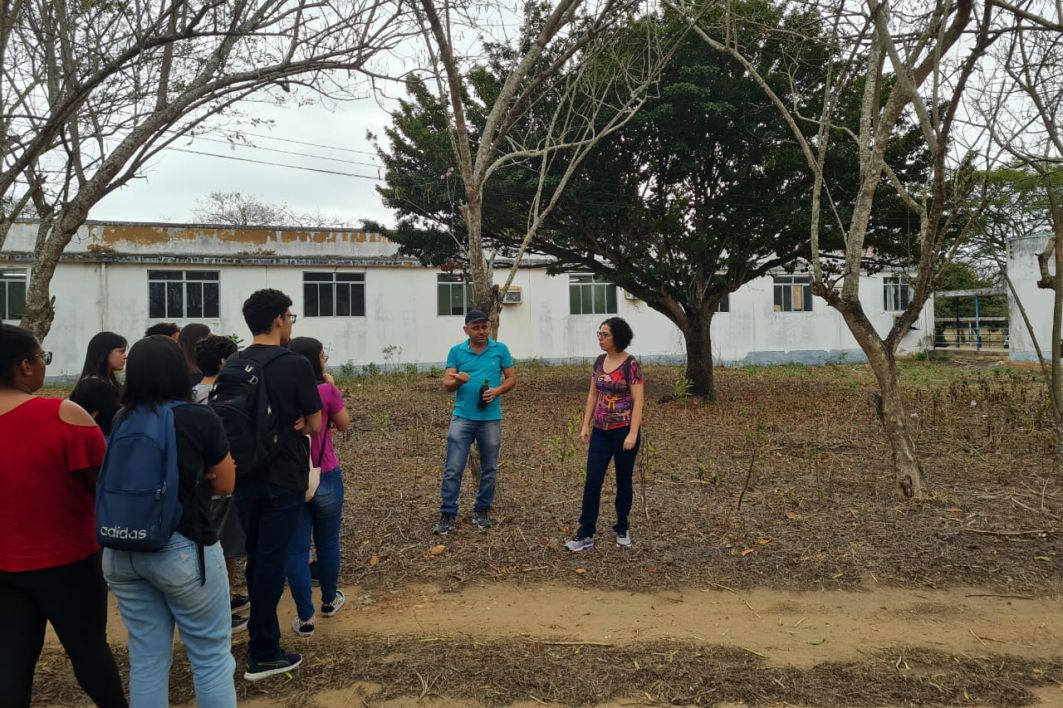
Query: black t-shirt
point(201, 443)
point(100, 398)
point(293, 393)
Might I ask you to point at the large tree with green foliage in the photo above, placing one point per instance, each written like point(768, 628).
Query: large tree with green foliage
point(701, 192)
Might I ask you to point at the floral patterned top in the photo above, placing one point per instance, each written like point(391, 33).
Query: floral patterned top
point(614, 405)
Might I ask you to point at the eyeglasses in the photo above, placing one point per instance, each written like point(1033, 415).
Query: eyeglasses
point(291, 318)
point(46, 357)
point(602, 335)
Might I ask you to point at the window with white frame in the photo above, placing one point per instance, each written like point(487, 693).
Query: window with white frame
point(591, 295)
point(453, 294)
point(896, 293)
point(334, 294)
point(177, 294)
point(13, 293)
point(793, 293)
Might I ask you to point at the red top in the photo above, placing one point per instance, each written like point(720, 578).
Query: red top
point(47, 512)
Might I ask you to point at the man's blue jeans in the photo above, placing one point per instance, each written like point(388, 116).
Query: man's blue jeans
point(488, 437)
point(320, 517)
point(157, 588)
point(268, 514)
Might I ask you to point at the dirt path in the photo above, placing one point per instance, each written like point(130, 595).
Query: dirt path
point(795, 629)
point(785, 629)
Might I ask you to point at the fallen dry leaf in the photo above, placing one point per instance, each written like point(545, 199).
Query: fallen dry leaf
point(438, 550)
point(374, 560)
point(580, 571)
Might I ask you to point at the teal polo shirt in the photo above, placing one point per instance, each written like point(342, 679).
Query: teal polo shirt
point(487, 365)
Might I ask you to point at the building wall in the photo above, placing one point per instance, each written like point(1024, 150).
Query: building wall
point(1024, 273)
point(103, 285)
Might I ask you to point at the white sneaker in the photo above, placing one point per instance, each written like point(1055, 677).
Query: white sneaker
point(304, 628)
point(623, 539)
point(580, 544)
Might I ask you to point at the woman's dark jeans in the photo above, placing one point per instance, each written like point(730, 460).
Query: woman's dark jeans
point(608, 445)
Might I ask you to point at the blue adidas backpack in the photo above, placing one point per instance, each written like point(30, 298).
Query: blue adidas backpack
point(137, 504)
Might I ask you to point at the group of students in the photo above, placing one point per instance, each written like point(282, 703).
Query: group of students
point(63, 489)
point(73, 469)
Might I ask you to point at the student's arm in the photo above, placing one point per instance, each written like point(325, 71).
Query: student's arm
point(308, 400)
point(311, 423)
point(588, 412)
point(86, 455)
point(222, 476)
point(340, 419)
point(638, 398)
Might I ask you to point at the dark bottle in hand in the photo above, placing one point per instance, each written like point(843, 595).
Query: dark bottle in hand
point(482, 404)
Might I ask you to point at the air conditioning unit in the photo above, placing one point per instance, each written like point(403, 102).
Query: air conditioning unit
point(513, 296)
point(630, 296)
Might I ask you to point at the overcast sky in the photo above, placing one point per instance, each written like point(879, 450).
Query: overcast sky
point(176, 180)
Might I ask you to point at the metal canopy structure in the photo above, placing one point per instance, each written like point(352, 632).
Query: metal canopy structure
point(978, 333)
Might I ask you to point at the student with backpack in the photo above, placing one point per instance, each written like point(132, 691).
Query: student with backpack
point(267, 397)
point(165, 459)
point(614, 408)
point(49, 560)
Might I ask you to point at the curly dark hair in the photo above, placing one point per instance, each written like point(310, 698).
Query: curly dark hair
point(621, 330)
point(166, 329)
point(263, 307)
point(211, 351)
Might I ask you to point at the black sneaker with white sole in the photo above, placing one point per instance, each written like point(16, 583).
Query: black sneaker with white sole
point(481, 519)
point(445, 525)
point(240, 623)
point(258, 670)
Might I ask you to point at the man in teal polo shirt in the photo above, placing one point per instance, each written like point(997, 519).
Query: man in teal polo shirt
point(480, 370)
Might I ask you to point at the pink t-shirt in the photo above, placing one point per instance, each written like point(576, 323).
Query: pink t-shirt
point(331, 403)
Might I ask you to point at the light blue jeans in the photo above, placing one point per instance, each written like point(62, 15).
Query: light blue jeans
point(158, 588)
point(488, 437)
point(320, 517)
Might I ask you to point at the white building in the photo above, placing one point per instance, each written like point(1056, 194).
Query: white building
point(367, 304)
point(1024, 273)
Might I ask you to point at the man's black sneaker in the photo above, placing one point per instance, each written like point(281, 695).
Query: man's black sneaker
point(445, 525)
point(238, 602)
point(481, 519)
point(257, 670)
point(240, 623)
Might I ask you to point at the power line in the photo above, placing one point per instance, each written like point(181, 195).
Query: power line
point(301, 142)
point(275, 164)
point(285, 152)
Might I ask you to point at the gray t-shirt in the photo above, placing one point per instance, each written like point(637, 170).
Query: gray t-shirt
point(201, 391)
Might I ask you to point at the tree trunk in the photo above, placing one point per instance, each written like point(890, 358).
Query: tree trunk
point(699, 355)
point(40, 304)
point(889, 405)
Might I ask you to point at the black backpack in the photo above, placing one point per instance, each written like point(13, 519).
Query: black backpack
point(241, 400)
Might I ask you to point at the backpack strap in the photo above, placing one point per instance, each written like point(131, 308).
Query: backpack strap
point(324, 440)
point(200, 553)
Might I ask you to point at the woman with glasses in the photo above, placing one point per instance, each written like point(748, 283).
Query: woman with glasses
point(98, 390)
point(322, 516)
point(611, 421)
point(49, 562)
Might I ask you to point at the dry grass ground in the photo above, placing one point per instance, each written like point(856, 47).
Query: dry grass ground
point(818, 512)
